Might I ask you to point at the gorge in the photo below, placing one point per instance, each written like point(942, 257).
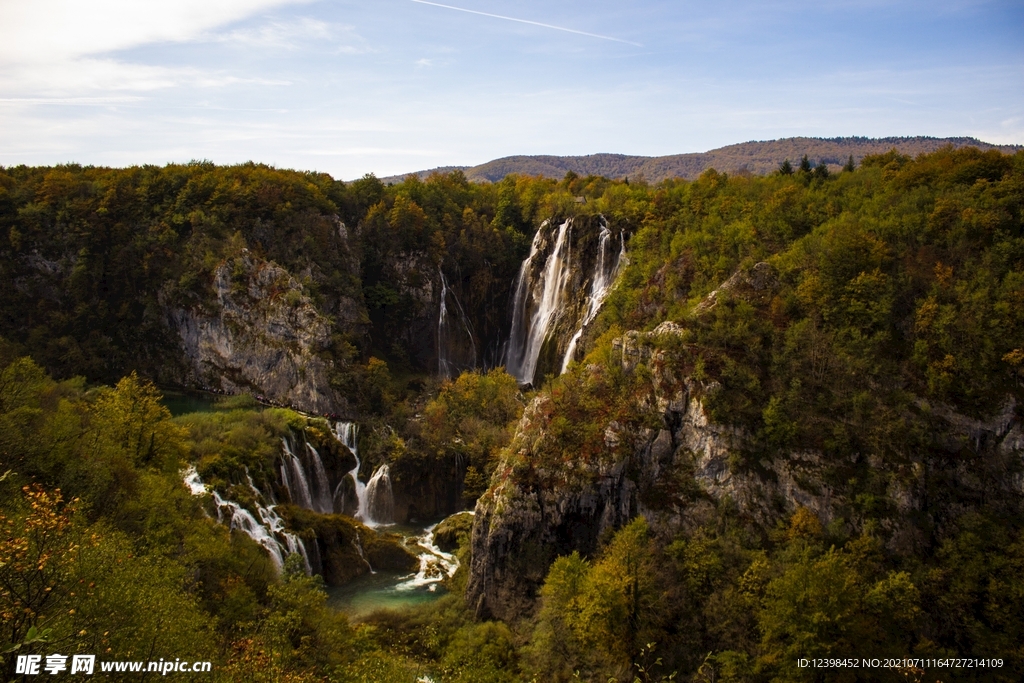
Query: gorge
point(588, 417)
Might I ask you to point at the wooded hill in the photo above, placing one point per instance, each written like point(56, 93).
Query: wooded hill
point(756, 157)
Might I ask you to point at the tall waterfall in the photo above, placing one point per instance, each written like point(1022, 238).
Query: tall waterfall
point(536, 303)
point(452, 335)
point(558, 292)
point(605, 270)
point(268, 530)
point(376, 500)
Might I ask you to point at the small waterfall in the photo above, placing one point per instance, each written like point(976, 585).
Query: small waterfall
point(293, 476)
point(605, 270)
point(321, 492)
point(348, 434)
point(376, 500)
point(533, 313)
point(268, 530)
point(380, 501)
point(435, 564)
point(448, 335)
point(359, 549)
point(305, 480)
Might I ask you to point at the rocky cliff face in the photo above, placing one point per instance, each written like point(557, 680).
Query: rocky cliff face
point(679, 470)
point(262, 335)
point(558, 291)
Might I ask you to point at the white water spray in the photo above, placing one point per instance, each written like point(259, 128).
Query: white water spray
point(435, 564)
point(545, 298)
point(605, 270)
point(268, 530)
point(376, 503)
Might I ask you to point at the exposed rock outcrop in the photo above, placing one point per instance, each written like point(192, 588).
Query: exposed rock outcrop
point(347, 548)
point(679, 475)
point(262, 334)
point(454, 530)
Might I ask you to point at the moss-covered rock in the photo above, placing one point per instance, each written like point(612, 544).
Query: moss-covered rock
point(347, 549)
point(454, 531)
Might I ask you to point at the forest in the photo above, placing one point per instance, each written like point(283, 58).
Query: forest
point(790, 426)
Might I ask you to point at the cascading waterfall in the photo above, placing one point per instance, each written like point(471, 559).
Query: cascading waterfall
point(268, 530)
point(448, 364)
point(532, 314)
point(376, 500)
point(322, 486)
point(601, 281)
point(348, 434)
point(380, 501)
point(545, 304)
point(306, 480)
point(435, 564)
point(293, 476)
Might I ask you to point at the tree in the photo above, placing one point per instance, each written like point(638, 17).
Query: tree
point(37, 551)
point(786, 168)
point(132, 417)
point(619, 603)
point(805, 165)
point(849, 167)
point(556, 643)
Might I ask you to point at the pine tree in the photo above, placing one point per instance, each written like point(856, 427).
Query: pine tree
point(786, 168)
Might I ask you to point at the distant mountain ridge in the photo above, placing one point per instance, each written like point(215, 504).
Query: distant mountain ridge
point(756, 157)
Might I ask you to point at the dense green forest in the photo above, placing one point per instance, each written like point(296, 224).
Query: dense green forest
point(867, 324)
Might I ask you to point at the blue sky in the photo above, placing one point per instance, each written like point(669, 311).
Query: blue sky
point(390, 86)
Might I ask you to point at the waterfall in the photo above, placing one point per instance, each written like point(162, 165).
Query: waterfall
point(435, 564)
point(268, 530)
point(380, 501)
point(306, 480)
point(448, 364)
point(359, 549)
point(601, 281)
point(552, 300)
point(376, 500)
point(533, 313)
point(322, 487)
point(293, 476)
point(348, 434)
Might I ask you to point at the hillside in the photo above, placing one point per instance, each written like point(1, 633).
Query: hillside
point(705, 428)
point(756, 157)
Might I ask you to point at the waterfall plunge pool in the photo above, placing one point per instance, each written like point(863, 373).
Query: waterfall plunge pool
point(372, 592)
point(397, 590)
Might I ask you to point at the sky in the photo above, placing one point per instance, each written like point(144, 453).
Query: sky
point(394, 86)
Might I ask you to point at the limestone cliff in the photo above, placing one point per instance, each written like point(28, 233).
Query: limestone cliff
point(262, 334)
point(679, 469)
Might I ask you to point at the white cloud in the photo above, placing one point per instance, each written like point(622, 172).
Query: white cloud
point(61, 48)
point(287, 35)
point(54, 30)
point(72, 78)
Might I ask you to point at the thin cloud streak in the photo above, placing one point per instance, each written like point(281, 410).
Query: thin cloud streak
point(527, 21)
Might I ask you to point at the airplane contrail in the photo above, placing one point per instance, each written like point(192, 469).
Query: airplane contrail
point(527, 21)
